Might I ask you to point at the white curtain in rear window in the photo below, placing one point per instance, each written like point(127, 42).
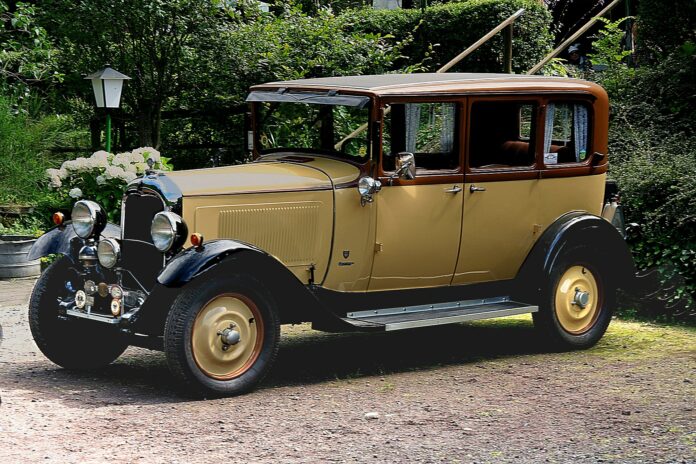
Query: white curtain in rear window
point(412, 124)
point(548, 127)
point(580, 128)
point(447, 133)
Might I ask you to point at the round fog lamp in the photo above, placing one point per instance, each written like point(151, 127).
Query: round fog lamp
point(108, 252)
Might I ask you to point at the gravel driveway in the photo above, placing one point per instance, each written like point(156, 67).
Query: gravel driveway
point(480, 392)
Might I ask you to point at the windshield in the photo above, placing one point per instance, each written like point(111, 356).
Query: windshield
point(333, 129)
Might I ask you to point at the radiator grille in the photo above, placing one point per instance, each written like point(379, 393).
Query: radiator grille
point(139, 209)
point(139, 255)
point(288, 232)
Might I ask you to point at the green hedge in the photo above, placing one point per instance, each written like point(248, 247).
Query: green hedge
point(452, 27)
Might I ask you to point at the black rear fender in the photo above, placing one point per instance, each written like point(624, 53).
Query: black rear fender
point(570, 230)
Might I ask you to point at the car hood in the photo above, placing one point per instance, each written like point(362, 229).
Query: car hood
point(281, 172)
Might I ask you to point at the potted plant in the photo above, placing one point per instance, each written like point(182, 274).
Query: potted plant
point(18, 232)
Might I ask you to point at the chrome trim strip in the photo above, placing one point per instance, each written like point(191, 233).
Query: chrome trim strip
point(461, 318)
point(464, 304)
point(93, 317)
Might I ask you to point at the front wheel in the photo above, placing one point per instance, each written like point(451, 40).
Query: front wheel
point(74, 343)
point(221, 334)
point(577, 302)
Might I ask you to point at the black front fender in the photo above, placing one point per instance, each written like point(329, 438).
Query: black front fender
point(196, 260)
point(63, 240)
point(296, 302)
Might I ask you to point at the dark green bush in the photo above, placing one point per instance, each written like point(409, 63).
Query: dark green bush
point(25, 144)
point(653, 150)
point(452, 27)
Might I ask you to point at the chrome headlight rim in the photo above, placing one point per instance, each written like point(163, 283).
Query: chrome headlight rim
point(109, 252)
point(88, 219)
point(168, 231)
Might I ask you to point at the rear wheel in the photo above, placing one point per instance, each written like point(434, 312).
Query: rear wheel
point(73, 343)
point(221, 335)
point(578, 301)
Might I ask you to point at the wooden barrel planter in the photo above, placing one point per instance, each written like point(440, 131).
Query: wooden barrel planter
point(13, 257)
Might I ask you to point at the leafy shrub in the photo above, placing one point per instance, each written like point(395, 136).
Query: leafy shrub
point(657, 181)
point(102, 177)
point(25, 144)
point(653, 152)
point(450, 28)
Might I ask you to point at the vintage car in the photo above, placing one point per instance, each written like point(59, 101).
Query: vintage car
point(373, 203)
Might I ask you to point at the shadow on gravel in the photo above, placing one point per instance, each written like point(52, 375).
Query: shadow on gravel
point(141, 376)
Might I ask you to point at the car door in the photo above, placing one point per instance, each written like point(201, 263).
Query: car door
point(418, 221)
point(501, 190)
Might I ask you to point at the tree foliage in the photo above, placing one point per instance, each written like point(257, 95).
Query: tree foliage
point(155, 42)
point(28, 59)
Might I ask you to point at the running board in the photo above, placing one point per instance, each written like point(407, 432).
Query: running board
point(407, 317)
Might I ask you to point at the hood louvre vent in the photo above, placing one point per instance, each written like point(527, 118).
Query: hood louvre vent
point(288, 231)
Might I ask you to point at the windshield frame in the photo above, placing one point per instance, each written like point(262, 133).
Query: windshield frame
point(318, 98)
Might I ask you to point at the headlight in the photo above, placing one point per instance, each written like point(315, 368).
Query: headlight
point(108, 252)
point(168, 230)
point(88, 219)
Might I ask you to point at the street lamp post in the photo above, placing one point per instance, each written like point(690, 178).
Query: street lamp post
point(107, 84)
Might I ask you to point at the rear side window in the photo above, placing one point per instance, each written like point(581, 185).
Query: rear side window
point(566, 133)
point(502, 134)
point(428, 130)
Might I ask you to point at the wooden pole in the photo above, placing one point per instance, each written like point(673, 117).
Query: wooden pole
point(572, 38)
point(507, 51)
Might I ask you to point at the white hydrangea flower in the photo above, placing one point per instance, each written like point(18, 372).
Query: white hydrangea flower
point(55, 182)
point(121, 159)
point(114, 172)
point(75, 193)
point(140, 168)
point(101, 180)
point(62, 173)
point(129, 176)
point(131, 168)
point(83, 163)
point(99, 159)
point(69, 165)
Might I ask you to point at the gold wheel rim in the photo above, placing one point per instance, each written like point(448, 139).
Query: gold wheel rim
point(214, 357)
point(577, 300)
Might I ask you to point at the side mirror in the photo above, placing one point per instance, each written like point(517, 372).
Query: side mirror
point(405, 167)
point(367, 187)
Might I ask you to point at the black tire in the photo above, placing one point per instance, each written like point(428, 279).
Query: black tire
point(548, 321)
point(194, 301)
point(72, 344)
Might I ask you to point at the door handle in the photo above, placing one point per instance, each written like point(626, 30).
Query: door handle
point(474, 188)
point(455, 189)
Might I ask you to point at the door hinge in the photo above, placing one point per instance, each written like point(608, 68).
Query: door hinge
point(378, 247)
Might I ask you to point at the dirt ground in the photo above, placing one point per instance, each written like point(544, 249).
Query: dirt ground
point(480, 392)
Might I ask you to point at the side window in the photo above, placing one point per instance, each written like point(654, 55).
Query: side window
point(428, 130)
point(502, 134)
point(566, 133)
